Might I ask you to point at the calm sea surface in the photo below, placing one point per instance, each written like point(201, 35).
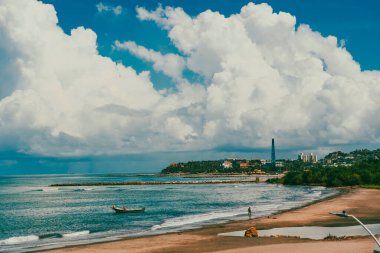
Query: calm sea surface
point(34, 216)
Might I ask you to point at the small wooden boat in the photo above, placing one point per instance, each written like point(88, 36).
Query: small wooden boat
point(128, 210)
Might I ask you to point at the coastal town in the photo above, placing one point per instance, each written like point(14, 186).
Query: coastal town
point(264, 166)
point(268, 166)
point(359, 167)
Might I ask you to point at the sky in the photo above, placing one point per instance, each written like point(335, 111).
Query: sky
point(131, 86)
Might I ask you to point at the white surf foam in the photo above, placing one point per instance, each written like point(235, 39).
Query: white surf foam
point(319, 188)
point(77, 234)
point(45, 189)
point(50, 189)
point(19, 239)
point(82, 189)
point(198, 218)
point(267, 207)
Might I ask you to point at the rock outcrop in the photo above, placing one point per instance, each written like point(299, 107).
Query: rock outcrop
point(251, 232)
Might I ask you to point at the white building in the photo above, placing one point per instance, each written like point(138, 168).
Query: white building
point(263, 161)
point(279, 164)
point(308, 158)
point(227, 164)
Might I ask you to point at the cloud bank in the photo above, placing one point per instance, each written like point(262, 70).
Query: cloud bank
point(263, 77)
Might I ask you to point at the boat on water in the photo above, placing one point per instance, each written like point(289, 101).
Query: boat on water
point(128, 210)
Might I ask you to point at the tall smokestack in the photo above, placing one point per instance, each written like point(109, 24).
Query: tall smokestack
point(273, 155)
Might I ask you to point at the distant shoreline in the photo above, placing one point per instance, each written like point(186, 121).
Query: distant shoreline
point(203, 175)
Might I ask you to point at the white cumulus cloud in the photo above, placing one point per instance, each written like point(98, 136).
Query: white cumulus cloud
point(63, 98)
point(267, 77)
point(101, 7)
point(170, 64)
point(263, 77)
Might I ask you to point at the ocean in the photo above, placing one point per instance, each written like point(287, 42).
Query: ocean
point(34, 216)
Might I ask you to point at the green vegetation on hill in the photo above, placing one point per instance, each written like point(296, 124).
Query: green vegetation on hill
point(363, 169)
point(194, 167)
point(357, 156)
point(214, 167)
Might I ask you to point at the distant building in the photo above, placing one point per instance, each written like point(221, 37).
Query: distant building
point(257, 171)
point(244, 165)
point(279, 164)
point(227, 164)
point(263, 161)
point(308, 158)
point(303, 157)
point(313, 158)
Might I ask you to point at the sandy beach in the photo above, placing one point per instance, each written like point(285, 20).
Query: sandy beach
point(364, 203)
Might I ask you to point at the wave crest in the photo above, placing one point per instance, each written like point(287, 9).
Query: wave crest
point(76, 234)
point(198, 218)
point(19, 239)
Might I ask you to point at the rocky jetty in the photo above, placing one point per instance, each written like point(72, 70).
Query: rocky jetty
point(154, 183)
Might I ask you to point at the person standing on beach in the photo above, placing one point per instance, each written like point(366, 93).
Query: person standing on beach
point(249, 212)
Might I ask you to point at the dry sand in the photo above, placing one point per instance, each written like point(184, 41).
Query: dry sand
point(364, 203)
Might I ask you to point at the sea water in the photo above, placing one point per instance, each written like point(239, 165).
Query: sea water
point(35, 216)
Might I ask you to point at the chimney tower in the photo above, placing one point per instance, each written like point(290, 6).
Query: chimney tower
point(273, 155)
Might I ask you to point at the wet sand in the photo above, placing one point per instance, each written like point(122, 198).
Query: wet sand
point(364, 203)
point(352, 246)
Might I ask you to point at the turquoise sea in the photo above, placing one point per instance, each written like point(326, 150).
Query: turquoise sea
point(34, 216)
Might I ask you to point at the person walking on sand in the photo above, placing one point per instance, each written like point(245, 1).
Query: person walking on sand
point(249, 212)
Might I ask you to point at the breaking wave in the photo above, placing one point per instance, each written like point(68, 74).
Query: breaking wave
point(77, 234)
point(19, 239)
point(33, 238)
point(198, 218)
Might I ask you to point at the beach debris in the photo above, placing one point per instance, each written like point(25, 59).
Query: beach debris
point(340, 238)
point(284, 236)
point(251, 232)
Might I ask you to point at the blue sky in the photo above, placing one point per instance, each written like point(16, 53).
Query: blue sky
point(53, 120)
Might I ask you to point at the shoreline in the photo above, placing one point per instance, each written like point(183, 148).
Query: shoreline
point(205, 238)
